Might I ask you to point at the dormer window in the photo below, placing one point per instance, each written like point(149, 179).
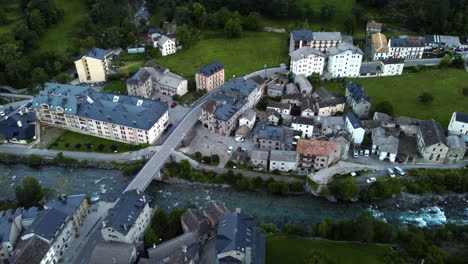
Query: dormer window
point(45, 106)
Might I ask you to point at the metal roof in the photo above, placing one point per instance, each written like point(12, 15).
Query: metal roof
point(356, 92)
point(210, 69)
point(461, 117)
point(342, 47)
point(302, 35)
point(67, 205)
point(354, 120)
point(304, 52)
point(95, 53)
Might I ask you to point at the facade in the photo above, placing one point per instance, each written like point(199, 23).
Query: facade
point(155, 78)
point(92, 66)
point(306, 61)
point(318, 40)
point(303, 124)
point(408, 48)
point(459, 125)
point(357, 99)
point(283, 109)
point(354, 127)
point(457, 149)
point(210, 76)
point(166, 45)
point(344, 60)
point(432, 143)
point(220, 114)
point(392, 66)
point(10, 229)
point(76, 207)
point(259, 159)
point(384, 144)
point(380, 49)
point(275, 89)
point(317, 154)
point(248, 118)
point(112, 253)
point(128, 219)
point(326, 103)
point(239, 241)
point(116, 117)
point(267, 137)
point(283, 160)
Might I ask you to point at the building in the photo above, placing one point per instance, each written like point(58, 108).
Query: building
point(357, 99)
point(220, 114)
point(292, 99)
point(259, 160)
point(271, 116)
point(166, 45)
point(354, 127)
point(275, 90)
point(194, 221)
point(210, 76)
point(248, 118)
point(325, 103)
point(344, 60)
point(459, 125)
point(283, 160)
point(384, 144)
point(432, 143)
point(379, 49)
point(112, 253)
point(392, 66)
point(116, 117)
point(372, 27)
point(19, 127)
point(457, 149)
point(92, 66)
point(128, 219)
point(303, 124)
point(155, 78)
point(318, 40)
point(305, 86)
point(291, 88)
point(34, 251)
point(317, 154)
point(306, 61)
point(181, 250)
point(331, 124)
point(441, 41)
point(239, 241)
point(10, 229)
point(283, 109)
point(269, 137)
point(214, 211)
point(408, 48)
point(74, 206)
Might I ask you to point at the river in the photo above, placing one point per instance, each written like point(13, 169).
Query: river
point(302, 210)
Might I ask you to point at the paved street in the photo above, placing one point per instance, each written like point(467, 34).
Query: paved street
point(422, 62)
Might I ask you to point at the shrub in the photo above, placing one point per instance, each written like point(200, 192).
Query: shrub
point(384, 107)
point(78, 146)
point(113, 147)
point(426, 98)
point(268, 228)
point(198, 155)
point(465, 91)
point(215, 159)
point(101, 147)
point(34, 160)
point(296, 187)
point(67, 145)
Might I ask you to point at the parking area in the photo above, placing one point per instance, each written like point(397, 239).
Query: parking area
point(209, 144)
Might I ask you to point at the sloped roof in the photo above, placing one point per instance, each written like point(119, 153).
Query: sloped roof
point(455, 142)
point(283, 155)
point(95, 53)
point(33, 251)
point(47, 223)
point(260, 155)
point(326, 36)
point(461, 117)
point(342, 47)
point(304, 52)
point(9, 128)
point(195, 221)
point(302, 120)
point(354, 120)
point(68, 206)
point(393, 60)
point(356, 92)
point(112, 253)
point(214, 210)
point(316, 147)
point(6, 221)
point(385, 141)
point(379, 43)
point(302, 35)
point(406, 42)
point(432, 133)
point(210, 69)
point(274, 104)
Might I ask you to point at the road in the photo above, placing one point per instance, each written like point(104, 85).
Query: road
point(422, 62)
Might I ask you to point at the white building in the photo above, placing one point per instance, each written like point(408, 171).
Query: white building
point(92, 66)
point(283, 109)
point(248, 118)
point(379, 48)
point(354, 128)
point(128, 219)
point(459, 125)
point(116, 117)
point(305, 86)
point(384, 145)
point(317, 40)
point(283, 160)
point(392, 66)
point(406, 47)
point(306, 61)
point(166, 45)
point(344, 60)
point(303, 124)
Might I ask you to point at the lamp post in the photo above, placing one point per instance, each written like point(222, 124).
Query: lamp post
point(264, 67)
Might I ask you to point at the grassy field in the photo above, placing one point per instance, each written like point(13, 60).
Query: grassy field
point(72, 139)
point(402, 91)
point(116, 86)
point(294, 251)
point(239, 56)
point(57, 37)
point(13, 15)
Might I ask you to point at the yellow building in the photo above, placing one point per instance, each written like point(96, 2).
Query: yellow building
point(92, 66)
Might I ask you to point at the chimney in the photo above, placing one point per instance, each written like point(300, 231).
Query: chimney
point(238, 210)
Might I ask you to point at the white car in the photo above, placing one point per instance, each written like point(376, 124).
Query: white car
point(240, 139)
point(390, 173)
point(355, 154)
point(400, 171)
point(361, 152)
point(2, 113)
point(229, 151)
point(371, 180)
point(353, 174)
point(366, 153)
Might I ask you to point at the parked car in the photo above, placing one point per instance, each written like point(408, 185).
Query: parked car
point(353, 174)
point(366, 153)
point(2, 113)
point(399, 160)
point(400, 171)
point(239, 149)
point(167, 102)
point(371, 180)
point(229, 151)
point(173, 105)
point(239, 139)
point(169, 126)
point(390, 173)
point(355, 154)
point(361, 152)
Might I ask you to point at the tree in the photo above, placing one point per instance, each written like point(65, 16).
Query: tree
point(39, 76)
point(324, 228)
point(233, 28)
point(435, 255)
point(315, 79)
point(345, 190)
point(278, 187)
point(150, 238)
point(198, 15)
point(458, 62)
point(309, 14)
point(384, 107)
point(36, 21)
point(365, 228)
point(327, 12)
point(465, 91)
point(186, 35)
point(252, 21)
point(63, 78)
point(215, 159)
point(316, 256)
point(426, 98)
point(350, 24)
point(34, 160)
point(30, 193)
point(445, 62)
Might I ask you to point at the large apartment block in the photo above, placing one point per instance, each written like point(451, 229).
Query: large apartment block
point(321, 41)
point(155, 78)
point(307, 60)
point(121, 118)
point(210, 76)
point(344, 60)
point(408, 47)
point(92, 66)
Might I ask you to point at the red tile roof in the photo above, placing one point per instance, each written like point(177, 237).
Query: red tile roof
point(316, 147)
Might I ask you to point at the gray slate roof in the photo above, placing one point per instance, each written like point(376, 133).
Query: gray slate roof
point(278, 105)
point(356, 92)
point(124, 214)
point(239, 86)
point(171, 251)
point(393, 61)
point(32, 253)
point(342, 47)
point(214, 211)
point(354, 120)
point(163, 40)
point(67, 206)
point(302, 35)
point(86, 103)
point(237, 232)
point(461, 117)
point(303, 52)
point(386, 142)
point(283, 155)
point(210, 69)
point(432, 133)
point(259, 155)
point(141, 76)
point(95, 53)
point(112, 253)
point(47, 223)
point(302, 120)
point(196, 221)
point(9, 128)
point(326, 36)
